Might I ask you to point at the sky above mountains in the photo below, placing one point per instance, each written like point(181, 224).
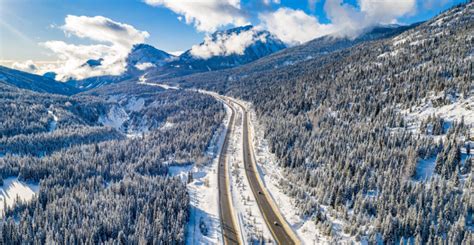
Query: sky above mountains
point(38, 36)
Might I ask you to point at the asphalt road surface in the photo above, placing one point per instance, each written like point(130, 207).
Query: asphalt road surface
point(229, 229)
point(274, 223)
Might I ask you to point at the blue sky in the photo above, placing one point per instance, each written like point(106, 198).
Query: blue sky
point(174, 25)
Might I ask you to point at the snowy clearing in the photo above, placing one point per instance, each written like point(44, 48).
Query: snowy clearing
point(167, 125)
point(13, 190)
point(425, 168)
point(53, 124)
point(114, 118)
point(460, 108)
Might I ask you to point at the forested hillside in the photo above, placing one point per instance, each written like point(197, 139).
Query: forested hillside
point(348, 129)
point(222, 80)
point(101, 162)
point(373, 137)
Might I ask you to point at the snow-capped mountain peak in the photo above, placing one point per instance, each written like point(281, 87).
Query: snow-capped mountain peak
point(231, 48)
point(145, 53)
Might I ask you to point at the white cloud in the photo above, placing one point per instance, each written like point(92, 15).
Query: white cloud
point(349, 21)
point(74, 56)
point(206, 15)
point(345, 19)
point(227, 44)
point(377, 11)
point(35, 67)
point(27, 66)
point(144, 66)
point(117, 40)
point(268, 2)
point(295, 26)
point(104, 30)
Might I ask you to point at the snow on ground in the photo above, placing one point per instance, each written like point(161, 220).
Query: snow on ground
point(13, 190)
point(460, 108)
point(204, 223)
point(114, 118)
point(399, 40)
point(180, 171)
point(271, 174)
point(250, 220)
point(113, 98)
point(53, 124)
point(135, 104)
point(143, 80)
point(131, 134)
point(425, 168)
point(167, 125)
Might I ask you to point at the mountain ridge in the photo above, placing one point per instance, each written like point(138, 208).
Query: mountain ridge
point(25, 80)
point(145, 57)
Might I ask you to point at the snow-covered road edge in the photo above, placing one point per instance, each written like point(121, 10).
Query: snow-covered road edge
point(270, 174)
point(250, 220)
point(203, 191)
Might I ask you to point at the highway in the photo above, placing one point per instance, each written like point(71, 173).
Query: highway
point(281, 231)
point(229, 228)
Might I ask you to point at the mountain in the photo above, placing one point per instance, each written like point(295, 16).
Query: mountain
point(33, 82)
point(50, 74)
point(284, 58)
point(141, 57)
point(264, 43)
point(144, 57)
point(94, 82)
point(144, 53)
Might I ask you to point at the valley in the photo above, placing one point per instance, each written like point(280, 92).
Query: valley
point(258, 134)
